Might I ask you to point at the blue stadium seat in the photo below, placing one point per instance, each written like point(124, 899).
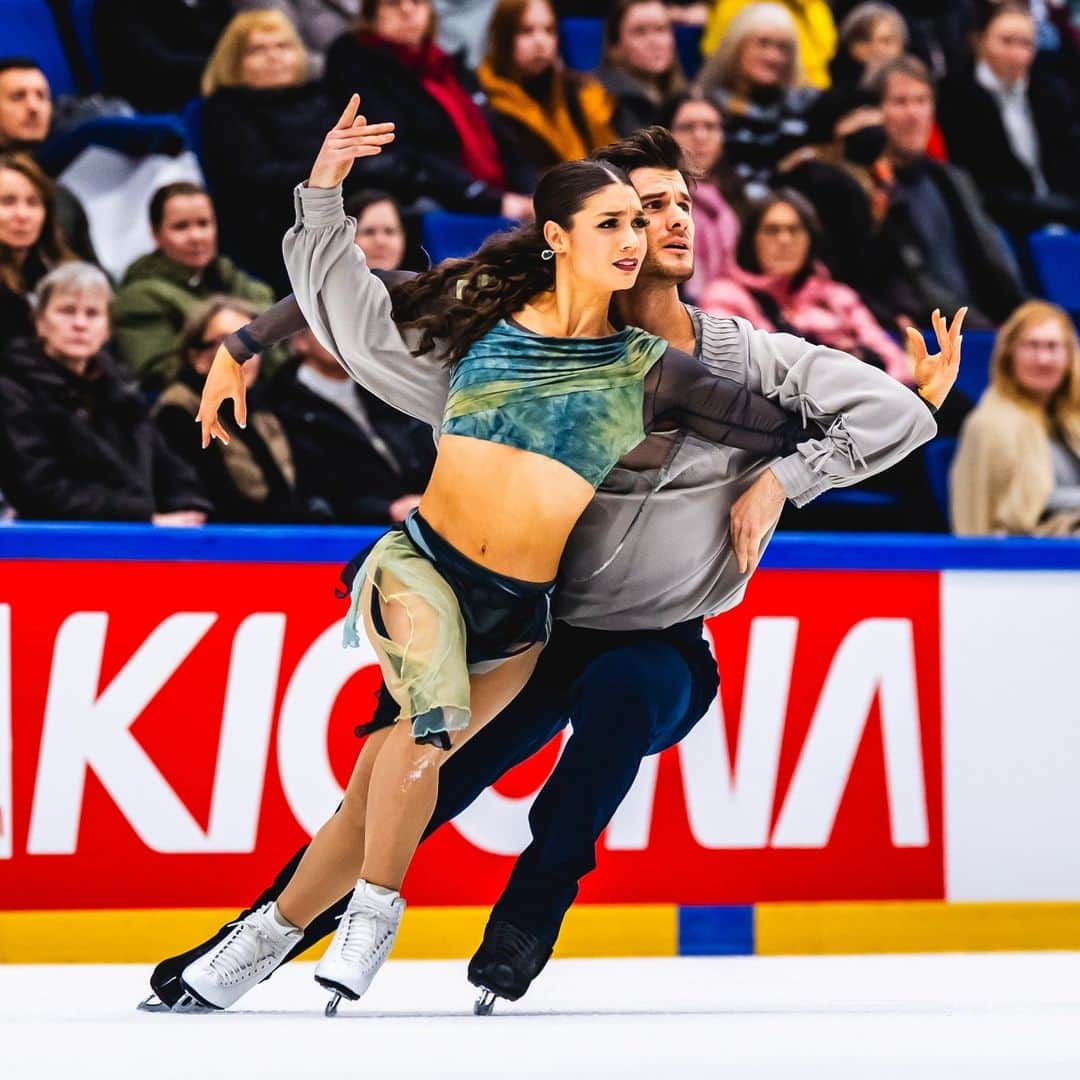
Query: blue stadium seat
point(1055, 251)
point(582, 42)
point(974, 375)
point(191, 118)
point(453, 236)
point(29, 29)
point(688, 44)
point(938, 455)
point(82, 19)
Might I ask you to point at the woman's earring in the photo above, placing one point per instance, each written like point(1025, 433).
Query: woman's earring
point(547, 254)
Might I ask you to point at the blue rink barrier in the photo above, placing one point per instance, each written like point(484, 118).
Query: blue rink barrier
point(322, 544)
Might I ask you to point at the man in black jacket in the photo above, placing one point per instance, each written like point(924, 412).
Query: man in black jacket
point(1014, 127)
point(936, 247)
point(329, 417)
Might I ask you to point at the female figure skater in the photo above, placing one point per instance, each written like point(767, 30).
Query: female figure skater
point(545, 397)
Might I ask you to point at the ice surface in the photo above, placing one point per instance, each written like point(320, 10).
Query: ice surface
point(916, 1017)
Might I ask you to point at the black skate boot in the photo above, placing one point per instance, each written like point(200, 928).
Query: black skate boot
point(505, 964)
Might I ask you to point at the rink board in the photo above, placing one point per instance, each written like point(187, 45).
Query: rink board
point(890, 764)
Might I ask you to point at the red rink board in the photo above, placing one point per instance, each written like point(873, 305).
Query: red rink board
point(842, 812)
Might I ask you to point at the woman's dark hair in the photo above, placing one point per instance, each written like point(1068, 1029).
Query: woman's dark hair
point(459, 301)
point(672, 80)
point(370, 8)
point(199, 317)
point(50, 244)
point(988, 13)
point(171, 191)
point(359, 201)
point(502, 29)
point(746, 249)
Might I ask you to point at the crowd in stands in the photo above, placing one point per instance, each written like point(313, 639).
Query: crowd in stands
point(856, 166)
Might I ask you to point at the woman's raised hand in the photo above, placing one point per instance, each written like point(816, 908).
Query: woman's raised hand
point(224, 380)
point(935, 373)
point(350, 138)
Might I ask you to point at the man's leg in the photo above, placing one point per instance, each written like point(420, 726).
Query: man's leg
point(629, 702)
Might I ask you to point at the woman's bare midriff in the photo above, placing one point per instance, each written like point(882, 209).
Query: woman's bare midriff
point(508, 509)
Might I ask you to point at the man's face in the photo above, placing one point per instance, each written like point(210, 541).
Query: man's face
point(670, 229)
point(25, 107)
point(907, 109)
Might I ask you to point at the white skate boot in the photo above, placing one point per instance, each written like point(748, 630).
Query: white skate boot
point(364, 938)
point(257, 945)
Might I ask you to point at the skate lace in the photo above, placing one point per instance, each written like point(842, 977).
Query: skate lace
point(242, 950)
point(510, 944)
point(365, 935)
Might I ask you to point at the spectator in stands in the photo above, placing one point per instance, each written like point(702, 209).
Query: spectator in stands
point(1017, 467)
point(812, 21)
point(936, 247)
point(698, 126)
point(261, 129)
point(78, 441)
point(325, 414)
point(445, 151)
point(778, 283)
point(25, 119)
point(252, 479)
point(153, 53)
point(380, 233)
point(640, 66)
point(1014, 127)
point(871, 34)
point(159, 289)
point(757, 80)
point(320, 22)
point(551, 113)
point(30, 240)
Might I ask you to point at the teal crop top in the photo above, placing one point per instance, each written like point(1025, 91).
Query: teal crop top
point(577, 400)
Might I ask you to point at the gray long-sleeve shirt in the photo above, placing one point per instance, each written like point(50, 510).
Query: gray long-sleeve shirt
point(653, 548)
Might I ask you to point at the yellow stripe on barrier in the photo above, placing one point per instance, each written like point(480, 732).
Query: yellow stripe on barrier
point(914, 926)
point(147, 936)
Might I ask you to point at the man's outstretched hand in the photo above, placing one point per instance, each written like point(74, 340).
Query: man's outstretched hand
point(935, 374)
point(224, 380)
point(350, 138)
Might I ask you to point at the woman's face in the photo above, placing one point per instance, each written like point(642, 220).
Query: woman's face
point(1041, 358)
point(270, 60)
point(765, 58)
point(699, 130)
point(403, 22)
point(188, 231)
point(380, 237)
point(74, 324)
point(536, 43)
point(605, 244)
point(646, 41)
point(225, 322)
point(22, 211)
point(886, 42)
point(782, 242)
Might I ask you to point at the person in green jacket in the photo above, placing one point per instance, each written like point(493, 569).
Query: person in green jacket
point(160, 288)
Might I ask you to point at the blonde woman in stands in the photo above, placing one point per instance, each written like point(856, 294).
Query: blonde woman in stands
point(1017, 469)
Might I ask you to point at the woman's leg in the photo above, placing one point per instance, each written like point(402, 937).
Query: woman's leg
point(404, 783)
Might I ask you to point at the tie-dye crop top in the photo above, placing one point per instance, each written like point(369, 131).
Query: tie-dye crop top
point(577, 400)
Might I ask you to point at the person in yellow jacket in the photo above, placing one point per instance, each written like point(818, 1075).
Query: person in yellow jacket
point(813, 18)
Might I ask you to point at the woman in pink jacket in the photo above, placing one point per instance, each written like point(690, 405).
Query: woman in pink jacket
point(778, 284)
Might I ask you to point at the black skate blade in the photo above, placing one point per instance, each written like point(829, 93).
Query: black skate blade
point(185, 1003)
point(485, 1003)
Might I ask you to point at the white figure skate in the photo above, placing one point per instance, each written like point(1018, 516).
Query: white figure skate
point(257, 945)
point(364, 938)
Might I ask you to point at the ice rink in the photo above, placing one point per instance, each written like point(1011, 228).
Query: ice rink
point(943, 1016)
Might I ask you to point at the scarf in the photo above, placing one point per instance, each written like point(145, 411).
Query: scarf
point(551, 120)
point(438, 77)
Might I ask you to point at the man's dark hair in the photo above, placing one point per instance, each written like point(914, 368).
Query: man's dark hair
point(18, 63)
point(648, 148)
point(987, 13)
point(170, 191)
point(911, 66)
